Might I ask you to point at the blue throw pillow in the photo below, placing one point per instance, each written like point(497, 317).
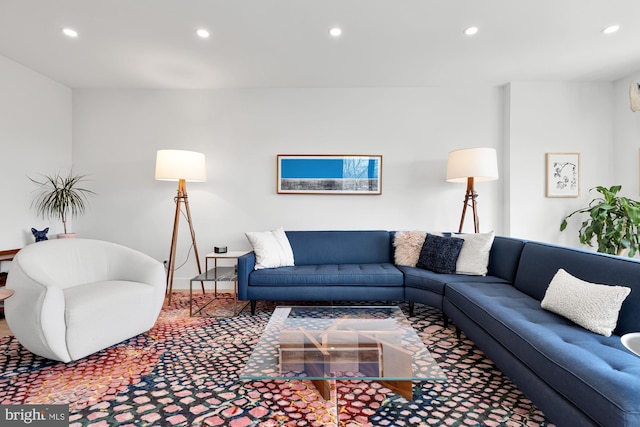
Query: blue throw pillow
point(440, 254)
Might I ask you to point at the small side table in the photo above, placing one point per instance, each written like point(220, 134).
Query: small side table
point(215, 275)
point(5, 256)
point(4, 294)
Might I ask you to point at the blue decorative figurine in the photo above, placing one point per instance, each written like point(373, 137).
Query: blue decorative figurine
point(40, 235)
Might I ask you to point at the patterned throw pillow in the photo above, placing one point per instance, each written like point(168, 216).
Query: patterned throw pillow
point(440, 254)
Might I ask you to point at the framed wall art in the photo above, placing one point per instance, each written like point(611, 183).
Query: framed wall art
point(329, 174)
point(563, 174)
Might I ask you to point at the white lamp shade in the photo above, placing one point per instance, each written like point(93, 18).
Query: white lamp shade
point(479, 163)
point(174, 165)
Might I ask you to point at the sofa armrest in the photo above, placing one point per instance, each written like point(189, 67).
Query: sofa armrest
point(246, 264)
point(36, 314)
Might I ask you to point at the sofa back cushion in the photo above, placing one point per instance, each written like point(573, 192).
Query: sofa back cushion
point(340, 247)
point(504, 257)
point(540, 262)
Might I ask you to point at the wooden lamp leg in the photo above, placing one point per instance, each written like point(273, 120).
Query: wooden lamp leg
point(193, 236)
point(172, 251)
point(180, 198)
point(470, 194)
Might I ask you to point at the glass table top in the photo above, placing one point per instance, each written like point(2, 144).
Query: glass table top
point(340, 343)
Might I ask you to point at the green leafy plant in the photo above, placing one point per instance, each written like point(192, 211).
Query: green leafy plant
point(60, 197)
point(613, 221)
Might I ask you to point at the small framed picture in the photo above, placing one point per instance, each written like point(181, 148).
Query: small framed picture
point(563, 174)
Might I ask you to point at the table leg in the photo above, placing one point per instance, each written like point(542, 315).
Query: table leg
point(215, 282)
point(403, 388)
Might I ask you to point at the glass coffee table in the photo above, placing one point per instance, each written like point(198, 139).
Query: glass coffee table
point(324, 344)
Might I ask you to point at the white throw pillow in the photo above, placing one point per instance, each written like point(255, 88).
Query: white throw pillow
point(593, 306)
point(272, 248)
point(474, 255)
point(285, 246)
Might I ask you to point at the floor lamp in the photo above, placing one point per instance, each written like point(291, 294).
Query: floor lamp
point(181, 166)
point(472, 165)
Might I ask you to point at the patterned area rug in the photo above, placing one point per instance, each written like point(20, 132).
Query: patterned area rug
point(184, 372)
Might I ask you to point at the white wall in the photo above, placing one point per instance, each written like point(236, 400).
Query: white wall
point(35, 138)
point(555, 117)
point(627, 139)
point(117, 132)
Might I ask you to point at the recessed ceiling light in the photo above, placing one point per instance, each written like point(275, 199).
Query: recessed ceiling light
point(70, 32)
point(335, 32)
point(202, 33)
point(471, 31)
point(610, 29)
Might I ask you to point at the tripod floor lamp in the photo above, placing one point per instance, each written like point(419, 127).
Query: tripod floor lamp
point(470, 165)
point(181, 166)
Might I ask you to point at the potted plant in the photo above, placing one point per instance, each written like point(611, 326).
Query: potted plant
point(613, 221)
point(61, 197)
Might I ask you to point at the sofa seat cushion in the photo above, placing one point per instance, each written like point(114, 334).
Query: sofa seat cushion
point(385, 274)
point(97, 315)
point(435, 282)
point(594, 372)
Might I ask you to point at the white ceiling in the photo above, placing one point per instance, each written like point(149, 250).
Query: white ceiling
point(285, 43)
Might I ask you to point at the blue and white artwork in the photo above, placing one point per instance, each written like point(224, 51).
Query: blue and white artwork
point(329, 174)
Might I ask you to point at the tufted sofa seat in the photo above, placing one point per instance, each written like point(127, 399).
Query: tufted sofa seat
point(577, 377)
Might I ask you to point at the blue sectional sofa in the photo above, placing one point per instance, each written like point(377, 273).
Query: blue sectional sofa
point(576, 377)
